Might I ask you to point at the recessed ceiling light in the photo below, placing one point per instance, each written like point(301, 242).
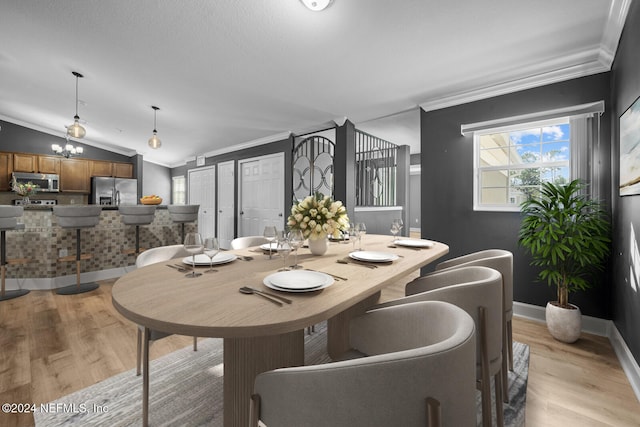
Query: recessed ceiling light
point(317, 5)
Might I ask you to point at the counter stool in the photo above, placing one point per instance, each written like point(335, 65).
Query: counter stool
point(182, 214)
point(9, 221)
point(137, 215)
point(77, 217)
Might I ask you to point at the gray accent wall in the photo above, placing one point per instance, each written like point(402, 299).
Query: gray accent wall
point(156, 180)
point(447, 183)
point(625, 280)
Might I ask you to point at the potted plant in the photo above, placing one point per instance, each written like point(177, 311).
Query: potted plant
point(567, 234)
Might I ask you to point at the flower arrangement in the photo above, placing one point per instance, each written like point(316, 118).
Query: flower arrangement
point(318, 216)
point(24, 190)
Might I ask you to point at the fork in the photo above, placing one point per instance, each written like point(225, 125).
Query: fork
point(349, 261)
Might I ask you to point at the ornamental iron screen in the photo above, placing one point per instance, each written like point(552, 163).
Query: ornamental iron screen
point(313, 167)
point(375, 171)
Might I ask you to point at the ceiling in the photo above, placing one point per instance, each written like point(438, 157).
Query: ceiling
point(228, 74)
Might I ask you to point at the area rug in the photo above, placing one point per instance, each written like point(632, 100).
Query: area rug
point(186, 390)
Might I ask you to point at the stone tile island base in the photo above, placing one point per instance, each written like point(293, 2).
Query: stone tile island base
point(110, 244)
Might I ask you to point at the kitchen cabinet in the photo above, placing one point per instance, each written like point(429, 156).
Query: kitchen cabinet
point(101, 168)
point(25, 162)
point(49, 164)
point(6, 167)
point(74, 176)
point(123, 170)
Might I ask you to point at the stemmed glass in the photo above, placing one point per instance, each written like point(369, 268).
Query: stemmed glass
point(362, 230)
point(270, 233)
point(354, 233)
point(296, 239)
point(194, 245)
point(211, 249)
point(284, 248)
point(396, 226)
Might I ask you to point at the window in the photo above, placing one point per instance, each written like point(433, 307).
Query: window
point(512, 162)
point(179, 190)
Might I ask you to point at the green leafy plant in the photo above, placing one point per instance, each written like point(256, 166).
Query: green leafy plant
point(567, 234)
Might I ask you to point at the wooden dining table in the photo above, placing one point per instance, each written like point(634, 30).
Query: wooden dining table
point(259, 335)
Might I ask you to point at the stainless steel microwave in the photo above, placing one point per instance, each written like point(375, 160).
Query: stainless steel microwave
point(46, 182)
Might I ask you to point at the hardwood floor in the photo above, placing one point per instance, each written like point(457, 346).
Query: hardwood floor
point(53, 345)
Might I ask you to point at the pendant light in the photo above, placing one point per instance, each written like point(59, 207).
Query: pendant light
point(76, 130)
point(154, 141)
point(317, 5)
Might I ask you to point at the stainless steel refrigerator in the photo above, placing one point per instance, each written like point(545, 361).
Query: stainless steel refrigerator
point(114, 191)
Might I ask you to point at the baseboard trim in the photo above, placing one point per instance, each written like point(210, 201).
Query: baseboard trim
point(596, 326)
point(50, 283)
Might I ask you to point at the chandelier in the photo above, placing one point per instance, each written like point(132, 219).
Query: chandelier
point(68, 150)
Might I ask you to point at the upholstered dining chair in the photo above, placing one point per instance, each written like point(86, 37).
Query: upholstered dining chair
point(417, 369)
point(152, 256)
point(501, 260)
point(478, 291)
point(247, 242)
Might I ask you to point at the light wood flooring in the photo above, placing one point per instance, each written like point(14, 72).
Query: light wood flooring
point(52, 345)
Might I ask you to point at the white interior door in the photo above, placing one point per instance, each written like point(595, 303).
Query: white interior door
point(202, 191)
point(261, 188)
point(226, 203)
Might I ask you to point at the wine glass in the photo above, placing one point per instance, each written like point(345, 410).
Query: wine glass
point(362, 230)
point(194, 245)
point(270, 233)
point(354, 233)
point(284, 248)
point(211, 249)
point(396, 226)
point(296, 239)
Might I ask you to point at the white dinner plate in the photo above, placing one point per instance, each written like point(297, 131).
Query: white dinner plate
point(265, 247)
point(202, 259)
point(414, 243)
point(298, 281)
point(373, 256)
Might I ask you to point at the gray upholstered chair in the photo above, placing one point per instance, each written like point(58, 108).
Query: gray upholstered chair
point(247, 242)
point(418, 371)
point(9, 221)
point(501, 260)
point(478, 291)
point(136, 215)
point(182, 214)
point(78, 217)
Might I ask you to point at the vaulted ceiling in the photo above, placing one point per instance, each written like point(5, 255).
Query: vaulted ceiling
point(234, 73)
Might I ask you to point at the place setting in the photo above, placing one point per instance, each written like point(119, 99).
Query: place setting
point(417, 244)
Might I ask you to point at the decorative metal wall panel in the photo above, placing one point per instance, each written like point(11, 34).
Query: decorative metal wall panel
point(375, 171)
point(313, 167)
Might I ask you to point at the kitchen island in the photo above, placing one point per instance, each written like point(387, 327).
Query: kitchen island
point(42, 242)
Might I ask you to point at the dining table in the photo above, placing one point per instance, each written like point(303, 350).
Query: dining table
point(258, 334)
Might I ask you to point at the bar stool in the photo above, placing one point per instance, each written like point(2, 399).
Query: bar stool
point(9, 221)
point(136, 215)
point(182, 214)
point(77, 217)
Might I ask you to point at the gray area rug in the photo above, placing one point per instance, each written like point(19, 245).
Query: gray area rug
point(186, 390)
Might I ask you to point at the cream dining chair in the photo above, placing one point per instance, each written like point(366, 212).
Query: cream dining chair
point(152, 256)
point(501, 260)
point(247, 242)
point(478, 291)
point(417, 369)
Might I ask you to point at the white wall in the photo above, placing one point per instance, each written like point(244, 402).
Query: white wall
point(156, 180)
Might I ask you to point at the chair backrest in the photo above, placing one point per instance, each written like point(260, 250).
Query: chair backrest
point(9, 216)
point(469, 288)
point(77, 216)
point(247, 242)
point(498, 259)
point(137, 214)
point(159, 254)
point(388, 389)
point(183, 213)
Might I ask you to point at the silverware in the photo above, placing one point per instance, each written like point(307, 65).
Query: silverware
point(280, 297)
point(184, 266)
point(330, 274)
point(350, 261)
point(405, 247)
point(249, 291)
point(244, 257)
point(180, 269)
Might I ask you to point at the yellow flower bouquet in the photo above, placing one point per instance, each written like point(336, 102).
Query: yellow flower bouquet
point(319, 216)
point(24, 190)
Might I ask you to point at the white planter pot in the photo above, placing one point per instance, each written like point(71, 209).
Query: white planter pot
point(318, 246)
point(564, 324)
